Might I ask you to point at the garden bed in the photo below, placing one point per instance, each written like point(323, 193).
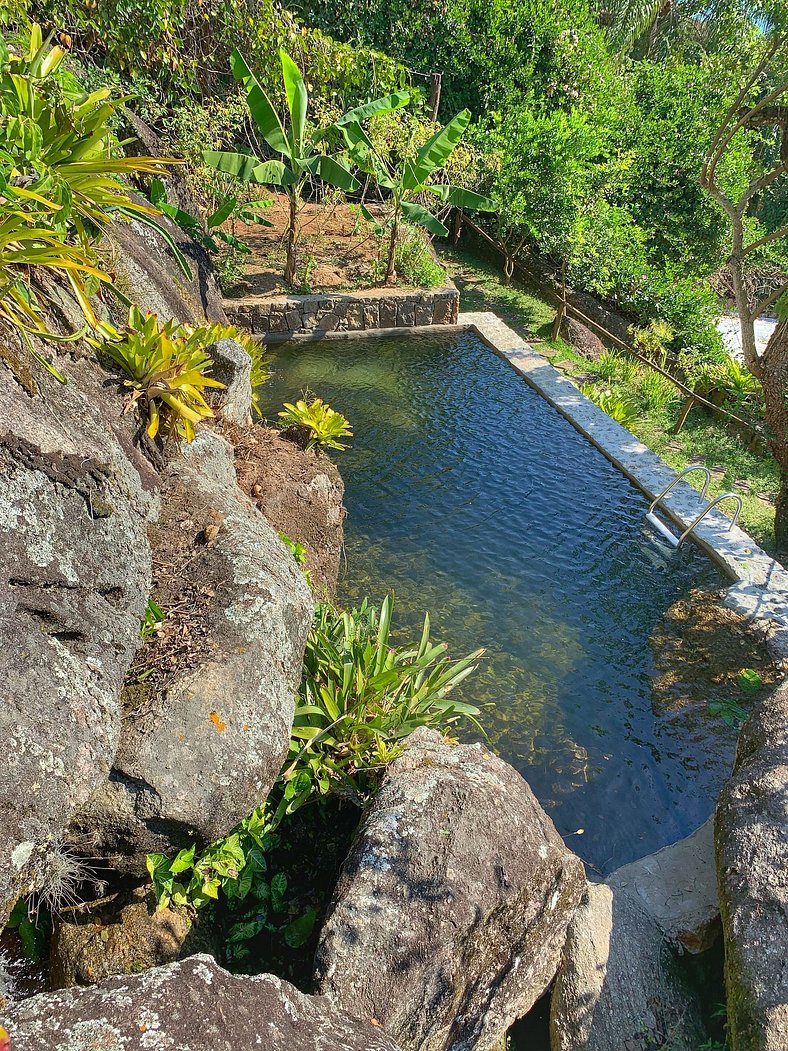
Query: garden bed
point(339, 251)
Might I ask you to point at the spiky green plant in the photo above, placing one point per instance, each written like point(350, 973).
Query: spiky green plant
point(323, 425)
point(361, 695)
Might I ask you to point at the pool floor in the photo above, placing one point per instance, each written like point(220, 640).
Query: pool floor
point(469, 496)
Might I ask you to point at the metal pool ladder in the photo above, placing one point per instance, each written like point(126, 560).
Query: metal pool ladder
point(660, 526)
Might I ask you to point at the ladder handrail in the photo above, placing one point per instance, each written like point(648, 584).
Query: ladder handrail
point(684, 473)
point(705, 511)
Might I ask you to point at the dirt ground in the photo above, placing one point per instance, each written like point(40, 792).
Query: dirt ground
point(299, 492)
point(338, 249)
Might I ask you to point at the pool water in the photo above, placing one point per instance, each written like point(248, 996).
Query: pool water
point(469, 496)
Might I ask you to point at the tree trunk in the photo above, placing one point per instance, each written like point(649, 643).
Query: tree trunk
point(292, 231)
point(561, 313)
point(391, 273)
point(774, 378)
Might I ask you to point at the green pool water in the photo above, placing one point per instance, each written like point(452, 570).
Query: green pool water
point(469, 496)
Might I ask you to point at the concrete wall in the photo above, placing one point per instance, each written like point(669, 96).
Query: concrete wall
point(283, 316)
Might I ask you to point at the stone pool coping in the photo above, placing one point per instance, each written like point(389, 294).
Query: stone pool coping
point(760, 588)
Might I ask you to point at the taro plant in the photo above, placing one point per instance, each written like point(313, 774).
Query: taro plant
point(304, 154)
point(360, 697)
point(233, 870)
point(317, 422)
point(410, 187)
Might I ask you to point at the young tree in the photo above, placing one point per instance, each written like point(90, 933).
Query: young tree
point(759, 108)
point(410, 186)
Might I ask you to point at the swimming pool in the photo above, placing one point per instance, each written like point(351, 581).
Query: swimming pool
point(469, 496)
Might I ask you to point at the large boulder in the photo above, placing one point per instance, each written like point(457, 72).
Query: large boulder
point(194, 1005)
point(147, 272)
point(75, 499)
point(619, 987)
point(581, 338)
point(752, 864)
point(677, 887)
point(300, 493)
point(205, 734)
point(450, 915)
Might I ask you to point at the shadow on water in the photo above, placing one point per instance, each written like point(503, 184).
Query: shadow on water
point(469, 496)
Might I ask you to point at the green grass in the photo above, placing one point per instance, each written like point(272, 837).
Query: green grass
point(482, 287)
point(703, 438)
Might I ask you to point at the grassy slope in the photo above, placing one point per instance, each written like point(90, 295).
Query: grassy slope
point(702, 440)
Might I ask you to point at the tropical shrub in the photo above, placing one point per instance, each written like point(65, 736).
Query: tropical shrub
point(360, 697)
point(321, 424)
point(654, 340)
point(168, 53)
point(167, 369)
point(656, 392)
point(58, 144)
point(234, 870)
point(414, 260)
point(620, 409)
point(59, 183)
point(492, 55)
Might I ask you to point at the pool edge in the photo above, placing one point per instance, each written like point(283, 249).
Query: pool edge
point(760, 588)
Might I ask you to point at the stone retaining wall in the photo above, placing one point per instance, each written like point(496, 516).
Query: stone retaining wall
point(283, 316)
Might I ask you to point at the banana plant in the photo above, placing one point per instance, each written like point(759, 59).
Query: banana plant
point(207, 230)
point(303, 155)
point(412, 181)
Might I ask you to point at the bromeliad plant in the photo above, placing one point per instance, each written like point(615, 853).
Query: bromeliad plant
point(167, 369)
point(304, 155)
point(360, 697)
point(410, 187)
point(321, 424)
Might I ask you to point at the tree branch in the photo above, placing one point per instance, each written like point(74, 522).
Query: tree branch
point(737, 104)
point(761, 184)
point(711, 170)
point(775, 235)
point(769, 301)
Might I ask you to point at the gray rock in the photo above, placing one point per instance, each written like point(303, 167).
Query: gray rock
point(148, 274)
point(74, 579)
point(618, 987)
point(232, 366)
point(450, 915)
point(201, 757)
point(387, 312)
point(678, 888)
point(406, 312)
point(751, 832)
point(581, 338)
point(193, 1005)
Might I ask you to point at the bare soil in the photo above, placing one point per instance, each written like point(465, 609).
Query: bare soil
point(338, 250)
point(299, 492)
point(186, 578)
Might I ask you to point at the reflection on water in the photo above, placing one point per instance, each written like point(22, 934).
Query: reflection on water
point(470, 497)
